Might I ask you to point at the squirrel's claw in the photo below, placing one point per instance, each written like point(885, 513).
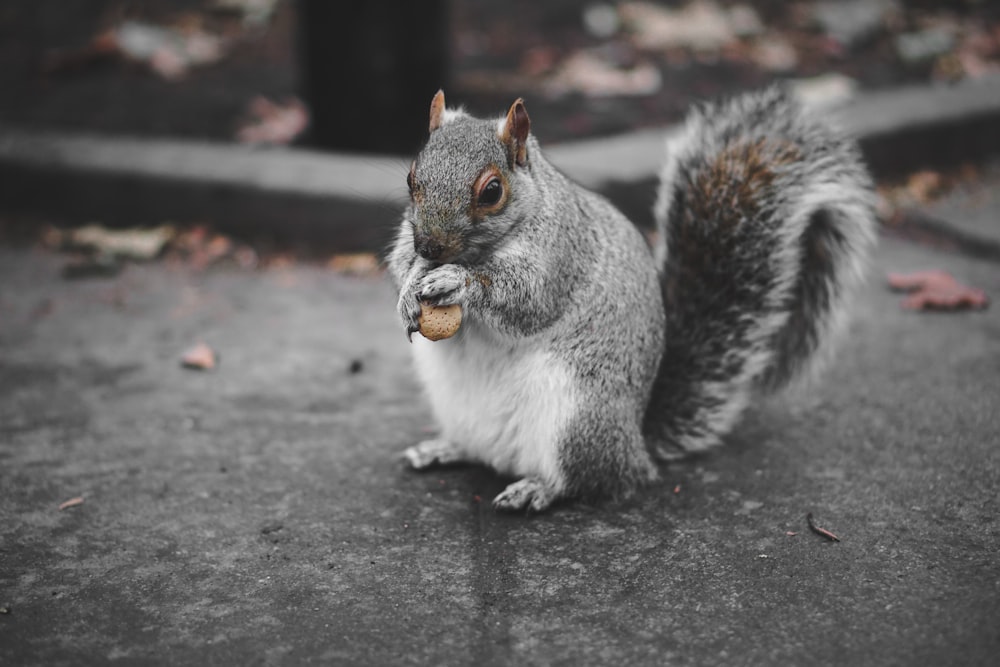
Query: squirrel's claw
point(409, 311)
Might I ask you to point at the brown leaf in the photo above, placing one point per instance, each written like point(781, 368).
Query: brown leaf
point(588, 73)
point(701, 25)
point(774, 53)
point(361, 264)
point(823, 532)
point(925, 185)
point(200, 357)
point(201, 248)
point(139, 244)
point(936, 290)
point(273, 123)
point(72, 502)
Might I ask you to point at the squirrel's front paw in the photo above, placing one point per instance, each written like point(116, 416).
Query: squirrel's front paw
point(444, 286)
point(409, 311)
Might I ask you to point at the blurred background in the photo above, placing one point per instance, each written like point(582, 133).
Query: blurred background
point(289, 124)
point(358, 76)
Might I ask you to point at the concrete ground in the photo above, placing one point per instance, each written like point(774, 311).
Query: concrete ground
point(258, 514)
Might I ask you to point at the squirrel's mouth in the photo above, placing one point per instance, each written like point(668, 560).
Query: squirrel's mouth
point(438, 246)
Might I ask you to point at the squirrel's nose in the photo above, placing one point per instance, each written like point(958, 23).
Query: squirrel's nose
point(427, 246)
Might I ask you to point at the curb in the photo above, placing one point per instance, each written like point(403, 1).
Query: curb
point(352, 202)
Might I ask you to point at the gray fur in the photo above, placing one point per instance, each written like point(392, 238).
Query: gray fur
point(771, 309)
point(560, 272)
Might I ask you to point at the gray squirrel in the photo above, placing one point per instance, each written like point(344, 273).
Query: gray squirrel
point(583, 355)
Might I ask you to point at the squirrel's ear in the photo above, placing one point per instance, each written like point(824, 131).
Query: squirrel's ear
point(515, 132)
point(437, 110)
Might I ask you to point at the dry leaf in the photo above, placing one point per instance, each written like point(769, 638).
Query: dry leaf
point(936, 290)
point(273, 123)
point(701, 25)
point(822, 532)
point(925, 185)
point(774, 53)
point(201, 248)
point(825, 91)
point(360, 264)
point(72, 502)
point(143, 244)
point(168, 51)
point(200, 357)
point(587, 73)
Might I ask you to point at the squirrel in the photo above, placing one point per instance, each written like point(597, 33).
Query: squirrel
point(585, 357)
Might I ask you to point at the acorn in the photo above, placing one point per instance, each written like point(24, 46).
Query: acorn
point(439, 322)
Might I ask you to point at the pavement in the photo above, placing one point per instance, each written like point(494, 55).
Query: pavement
point(258, 513)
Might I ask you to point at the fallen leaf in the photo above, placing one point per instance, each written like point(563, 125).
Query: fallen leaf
point(141, 244)
point(936, 290)
point(72, 502)
point(923, 186)
point(774, 53)
point(201, 248)
point(825, 91)
point(823, 532)
point(170, 52)
point(360, 264)
point(201, 357)
point(273, 123)
point(219, 246)
point(701, 25)
point(589, 74)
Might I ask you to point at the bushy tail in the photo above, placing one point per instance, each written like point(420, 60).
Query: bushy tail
point(765, 219)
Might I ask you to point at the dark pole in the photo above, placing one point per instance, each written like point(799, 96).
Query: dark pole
point(369, 70)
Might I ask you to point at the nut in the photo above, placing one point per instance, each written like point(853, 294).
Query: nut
point(439, 322)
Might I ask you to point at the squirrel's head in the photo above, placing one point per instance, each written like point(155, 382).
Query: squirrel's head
point(463, 183)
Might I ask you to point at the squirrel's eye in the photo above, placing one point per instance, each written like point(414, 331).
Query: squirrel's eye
point(409, 179)
point(491, 193)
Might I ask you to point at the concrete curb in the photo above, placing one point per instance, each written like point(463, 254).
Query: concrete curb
point(352, 202)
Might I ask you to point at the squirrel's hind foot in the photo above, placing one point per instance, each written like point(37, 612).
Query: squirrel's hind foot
point(431, 453)
point(529, 494)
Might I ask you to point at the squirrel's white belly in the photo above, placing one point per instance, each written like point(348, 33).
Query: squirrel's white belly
point(503, 401)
